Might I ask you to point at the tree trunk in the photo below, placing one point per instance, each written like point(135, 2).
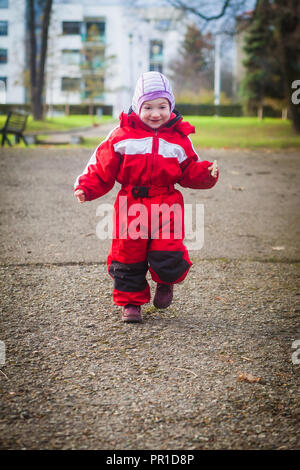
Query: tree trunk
point(91, 110)
point(289, 58)
point(288, 25)
point(44, 46)
point(32, 54)
point(284, 113)
point(260, 112)
point(37, 68)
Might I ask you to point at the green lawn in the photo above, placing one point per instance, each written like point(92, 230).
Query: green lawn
point(245, 132)
point(215, 132)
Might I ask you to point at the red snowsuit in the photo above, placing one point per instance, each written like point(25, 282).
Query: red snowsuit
point(147, 163)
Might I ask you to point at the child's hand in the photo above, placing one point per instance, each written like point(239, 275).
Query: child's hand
point(214, 169)
point(80, 195)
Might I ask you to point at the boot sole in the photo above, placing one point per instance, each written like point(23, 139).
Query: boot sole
point(132, 320)
point(160, 306)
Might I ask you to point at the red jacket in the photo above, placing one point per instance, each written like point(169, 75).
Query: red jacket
point(134, 154)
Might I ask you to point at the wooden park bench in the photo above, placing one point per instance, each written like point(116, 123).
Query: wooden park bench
point(15, 124)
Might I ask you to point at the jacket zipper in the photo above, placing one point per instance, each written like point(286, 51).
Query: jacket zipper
point(154, 152)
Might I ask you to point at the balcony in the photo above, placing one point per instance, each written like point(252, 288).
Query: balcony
point(93, 38)
point(93, 32)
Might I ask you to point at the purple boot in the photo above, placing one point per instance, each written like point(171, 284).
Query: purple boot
point(132, 314)
point(163, 295)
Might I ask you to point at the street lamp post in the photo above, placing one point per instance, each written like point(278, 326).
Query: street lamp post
point(130, 38)
point(217, 75)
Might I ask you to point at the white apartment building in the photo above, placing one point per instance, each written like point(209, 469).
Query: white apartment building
point(12, 51)
point(133, 40)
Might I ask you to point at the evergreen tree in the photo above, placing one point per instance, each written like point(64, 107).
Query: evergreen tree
point(190, 71)
point(283, 25)
point(263, 77)
point(286, 20)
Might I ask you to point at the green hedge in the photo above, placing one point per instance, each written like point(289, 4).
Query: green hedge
point(6, 108)
point(85, 108)
point(73, 108)
point(234, 110)
point(267, 112)
point(188, 109)
point(226, 110)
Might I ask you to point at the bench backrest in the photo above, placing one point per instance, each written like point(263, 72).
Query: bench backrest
point(15, 122)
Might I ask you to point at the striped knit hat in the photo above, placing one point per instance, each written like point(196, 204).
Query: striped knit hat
point(150, 86)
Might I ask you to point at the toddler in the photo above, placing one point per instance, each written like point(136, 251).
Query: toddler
point(148, 153)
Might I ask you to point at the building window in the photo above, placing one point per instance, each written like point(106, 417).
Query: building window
point(92, 57)
point(70, 57)
point(3, 56)
point(93, 88)
point(71, 27)
point(70, 84)
point(95, 30)
point(3, 88)
point(156, 56)
point(3, 83)
point(163, 25)
point(156, 51)
point(156, 68)
point(3, 3)
point(3, 28)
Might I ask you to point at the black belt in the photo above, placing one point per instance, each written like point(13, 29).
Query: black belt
point(148, 191)
point(140, 191)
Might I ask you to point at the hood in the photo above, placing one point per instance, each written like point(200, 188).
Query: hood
point(175, 122)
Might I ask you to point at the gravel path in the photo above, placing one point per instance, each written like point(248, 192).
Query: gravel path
point(213, 371)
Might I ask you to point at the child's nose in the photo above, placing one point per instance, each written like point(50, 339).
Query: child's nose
point(155, 112)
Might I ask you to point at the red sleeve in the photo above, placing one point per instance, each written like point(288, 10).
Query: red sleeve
point(195, 173)
point(100, 172)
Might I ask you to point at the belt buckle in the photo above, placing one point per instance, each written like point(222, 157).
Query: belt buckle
point(140, 191)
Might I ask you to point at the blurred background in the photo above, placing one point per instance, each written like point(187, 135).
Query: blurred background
point(224, 57)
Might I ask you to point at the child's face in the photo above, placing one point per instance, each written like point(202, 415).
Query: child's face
point(155, 113)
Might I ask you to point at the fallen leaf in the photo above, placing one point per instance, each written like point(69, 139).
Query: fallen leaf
point(236, 188)
point(247, 378)
point(226, 359)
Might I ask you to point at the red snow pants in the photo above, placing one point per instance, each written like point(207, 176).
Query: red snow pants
point(148, 234)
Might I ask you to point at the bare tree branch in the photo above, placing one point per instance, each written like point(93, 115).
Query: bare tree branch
point(183, 6)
